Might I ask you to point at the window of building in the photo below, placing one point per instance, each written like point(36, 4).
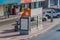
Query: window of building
point(27, 5)
point(53, 2)
point(35, 4)
point(22, 7)
point(43, 4)
point(32, 5)
point(59, 2)
point(39, 4)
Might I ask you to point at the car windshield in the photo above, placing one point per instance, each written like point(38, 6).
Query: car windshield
point(48, 11)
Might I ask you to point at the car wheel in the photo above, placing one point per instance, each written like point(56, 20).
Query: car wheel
point(48, 16)
point(43, 19)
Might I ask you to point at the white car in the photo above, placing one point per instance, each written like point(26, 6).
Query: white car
point(55, 14)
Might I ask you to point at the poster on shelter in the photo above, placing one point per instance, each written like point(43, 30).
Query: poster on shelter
point(24, 24)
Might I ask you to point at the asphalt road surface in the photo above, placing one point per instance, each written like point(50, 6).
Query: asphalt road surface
point(52, 34)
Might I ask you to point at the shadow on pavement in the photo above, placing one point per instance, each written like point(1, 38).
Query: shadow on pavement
point(7, 31)
point(9, 36)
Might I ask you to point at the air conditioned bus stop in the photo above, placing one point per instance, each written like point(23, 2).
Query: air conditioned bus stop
point(30, 18)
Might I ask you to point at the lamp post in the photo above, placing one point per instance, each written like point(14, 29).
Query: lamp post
point(52, 9)
point(52, 14)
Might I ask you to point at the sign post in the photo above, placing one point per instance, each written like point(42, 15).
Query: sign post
point(52, 15)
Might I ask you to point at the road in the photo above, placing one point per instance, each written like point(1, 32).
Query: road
point(52, 34)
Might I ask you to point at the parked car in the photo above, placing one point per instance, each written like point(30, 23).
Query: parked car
point(58, 10)
point(55, 14)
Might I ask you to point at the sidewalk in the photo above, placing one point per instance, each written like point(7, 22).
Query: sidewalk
point(11, 17)
point(7, 33)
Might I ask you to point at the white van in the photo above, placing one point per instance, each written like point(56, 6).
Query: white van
point(55, 14)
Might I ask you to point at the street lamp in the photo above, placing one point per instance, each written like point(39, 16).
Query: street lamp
point(51, 15)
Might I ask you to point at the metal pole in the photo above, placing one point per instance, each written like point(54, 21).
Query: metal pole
point(37, 21)
point(7, 14)
point(51, 15)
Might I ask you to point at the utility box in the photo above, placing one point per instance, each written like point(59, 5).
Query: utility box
point(24, 25)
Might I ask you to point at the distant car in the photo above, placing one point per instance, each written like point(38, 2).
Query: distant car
point(55, 14)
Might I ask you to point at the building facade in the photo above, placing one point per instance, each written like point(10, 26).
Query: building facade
point(33, 4)
point(6, 4)
point(52, 3)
